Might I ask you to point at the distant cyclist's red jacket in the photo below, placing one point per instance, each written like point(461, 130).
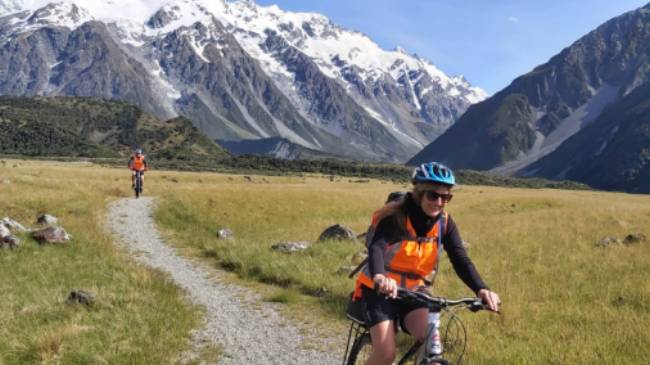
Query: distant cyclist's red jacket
point(137, 163)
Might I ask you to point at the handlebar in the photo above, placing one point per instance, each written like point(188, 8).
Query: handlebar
point(438, 303)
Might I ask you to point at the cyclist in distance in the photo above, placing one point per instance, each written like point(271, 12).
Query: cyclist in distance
point(137, 162)
point(403, 249)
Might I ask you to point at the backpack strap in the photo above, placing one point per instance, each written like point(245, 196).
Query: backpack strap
point(442, 230)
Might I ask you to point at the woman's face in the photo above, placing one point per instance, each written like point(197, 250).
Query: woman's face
point(434, 199)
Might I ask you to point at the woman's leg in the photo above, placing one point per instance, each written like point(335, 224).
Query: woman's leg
point(416, 323)
point(383, 343)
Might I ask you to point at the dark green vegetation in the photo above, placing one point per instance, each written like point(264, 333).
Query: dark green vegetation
point(612, 153)
point(106, 132)
point(87, 127)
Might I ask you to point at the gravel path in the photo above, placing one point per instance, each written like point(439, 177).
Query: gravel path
point(236, 319)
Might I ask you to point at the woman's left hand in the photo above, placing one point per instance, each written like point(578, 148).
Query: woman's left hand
point(491, 299)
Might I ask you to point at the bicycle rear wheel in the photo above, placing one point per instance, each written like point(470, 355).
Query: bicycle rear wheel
point(361, 350)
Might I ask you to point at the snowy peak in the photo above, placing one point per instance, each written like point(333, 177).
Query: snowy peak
point(10, 6)
point(177, 14)
point(60, 14)
point(57, 14)
point(334, 48)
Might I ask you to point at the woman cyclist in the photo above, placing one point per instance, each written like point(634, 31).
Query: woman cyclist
point(403, 248)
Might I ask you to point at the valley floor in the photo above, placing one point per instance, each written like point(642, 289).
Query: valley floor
point(566, 298)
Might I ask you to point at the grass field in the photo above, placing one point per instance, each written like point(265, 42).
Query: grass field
point(564, 299)
point(139, 317)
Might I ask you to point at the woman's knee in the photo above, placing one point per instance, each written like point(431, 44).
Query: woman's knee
point(386, 354)
point(383, 343)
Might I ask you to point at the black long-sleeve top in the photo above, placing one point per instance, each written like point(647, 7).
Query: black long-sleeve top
point(389, 231)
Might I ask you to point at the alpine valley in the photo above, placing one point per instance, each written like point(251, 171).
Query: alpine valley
point(245, 75)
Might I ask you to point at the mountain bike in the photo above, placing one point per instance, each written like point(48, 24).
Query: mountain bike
point(137, 187)
point(452, 331)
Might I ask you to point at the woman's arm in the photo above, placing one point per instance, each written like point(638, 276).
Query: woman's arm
point(378, 246)
point(376, 264)
point(461, 262)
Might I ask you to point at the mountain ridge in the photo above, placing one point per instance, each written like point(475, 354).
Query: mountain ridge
point(386, 105)
point(541, 109)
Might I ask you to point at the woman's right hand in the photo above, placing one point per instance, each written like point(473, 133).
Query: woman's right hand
point(385, 285)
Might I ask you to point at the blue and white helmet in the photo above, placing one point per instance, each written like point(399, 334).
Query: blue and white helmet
point(433, 172)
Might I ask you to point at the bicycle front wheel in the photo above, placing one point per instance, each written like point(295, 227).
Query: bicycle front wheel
point(454, 338)
point(138, 185)
point(361, 350)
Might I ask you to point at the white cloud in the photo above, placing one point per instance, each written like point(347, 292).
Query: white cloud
point(513, 19)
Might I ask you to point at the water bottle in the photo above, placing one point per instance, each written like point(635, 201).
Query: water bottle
point(434, 343)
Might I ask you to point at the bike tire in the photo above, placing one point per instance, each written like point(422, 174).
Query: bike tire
point(454, 338)
point(361, 350)
point(138, 185)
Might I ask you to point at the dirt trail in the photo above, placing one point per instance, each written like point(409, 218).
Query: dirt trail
point(249, 330)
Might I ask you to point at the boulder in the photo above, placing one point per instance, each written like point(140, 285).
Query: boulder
point(4, 232)
point(338, 232)
point(321, 292)
point(290, 247)
point(634, 238)
point(226, 234)
point(12, 224)
point(609, 240)
point(48, 220)
point(51, 235)
point(10, 241)
point(81, 297)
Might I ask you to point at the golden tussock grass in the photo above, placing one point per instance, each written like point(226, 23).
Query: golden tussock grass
point(564, 299)
point(138, 316)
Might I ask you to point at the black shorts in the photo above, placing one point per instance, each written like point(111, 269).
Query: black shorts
point(378, 308)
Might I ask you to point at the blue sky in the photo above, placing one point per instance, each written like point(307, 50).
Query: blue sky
point(490, 42)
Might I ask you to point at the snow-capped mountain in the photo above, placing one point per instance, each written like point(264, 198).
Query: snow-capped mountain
point(238, 70)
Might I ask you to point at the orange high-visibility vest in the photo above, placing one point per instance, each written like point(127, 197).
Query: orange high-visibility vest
point(410, 260)
point(138, 163)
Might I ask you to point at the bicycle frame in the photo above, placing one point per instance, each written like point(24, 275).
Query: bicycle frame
point(138, 183)
point(361, 330)
point(435, 304)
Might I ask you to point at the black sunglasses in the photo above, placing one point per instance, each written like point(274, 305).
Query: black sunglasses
point(433, 196)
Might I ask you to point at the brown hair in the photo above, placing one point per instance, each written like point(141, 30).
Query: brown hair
point(397, 209)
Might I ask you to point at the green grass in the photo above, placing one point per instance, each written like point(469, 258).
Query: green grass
point(565, 300)
point(139, 316)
